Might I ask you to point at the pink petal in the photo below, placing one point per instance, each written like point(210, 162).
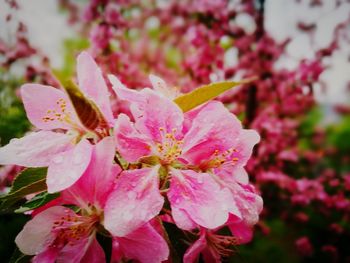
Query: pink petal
point(247, 201)
point(182, 219)
point(200, 196)
point(244, 147)
point(48, 256)
point(193, 252)
point(240, 229)
point(213, 128)
point(93, 84)
point(123, 92)
point(144, 244)
point(151, 111)
point(130, 143)
point(42, 103)
point(94, 253)
point(157, 112)
point(36, 235)
point(66, 168)
point(97, 182)
point(161, 87)
point(84, 250)
point(36, 149)
point(135, 200)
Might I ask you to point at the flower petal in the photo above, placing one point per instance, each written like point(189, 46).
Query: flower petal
point(97, 182)
point(213, 128)
point(123, 92)
point(161, 87)
point(48, 108)
point(193, 252)
point(66, 168)
point(200, 196)
point(35, 149)
point(84, 250)
point(144, 244)
point(130, 143)
point(182, 219)
point(37, 234)
point(240, 229)
point(249, 203)
point(93, 84)
point(135, 200)
point(151, 111)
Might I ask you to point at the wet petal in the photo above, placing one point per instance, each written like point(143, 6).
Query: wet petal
point(182, 219)
point(240, 229)
point(97, 182)
point(66, 168)
point(130, 143)
point(151, 111)
point(37, 234)
point(161, 87)
point(35, 149)
point(200, 196)
point(249, 203)
point(48, 108)
point(93, 84)
point(213, 128)
point(144, 244)
point(135, 200)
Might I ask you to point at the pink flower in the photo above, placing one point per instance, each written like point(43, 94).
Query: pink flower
point(61, 142)
point(58, 234)
point(196, 157)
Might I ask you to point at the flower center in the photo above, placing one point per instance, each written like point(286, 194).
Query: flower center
point(170, 147)
point(61, 114)
point(220, 158)
point(69, 229)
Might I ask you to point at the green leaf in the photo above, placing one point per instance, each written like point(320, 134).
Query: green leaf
point(37, 201)
point(205, 93)
point(87, 111)
point(29, 181)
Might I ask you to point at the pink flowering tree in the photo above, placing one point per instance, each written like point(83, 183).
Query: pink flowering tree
point(114, 171)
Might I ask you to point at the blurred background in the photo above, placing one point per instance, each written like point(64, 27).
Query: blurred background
point(299, 50)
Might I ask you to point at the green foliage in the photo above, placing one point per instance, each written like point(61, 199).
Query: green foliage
point(71, 48)
point(203, 94)
point(31, 180)
point(13, 120)
point(37, 201)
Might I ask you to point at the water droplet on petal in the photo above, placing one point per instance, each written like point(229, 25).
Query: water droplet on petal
point(58, 159)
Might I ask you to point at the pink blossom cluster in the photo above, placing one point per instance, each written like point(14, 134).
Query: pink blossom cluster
point(123, 176)
point(198, 35)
